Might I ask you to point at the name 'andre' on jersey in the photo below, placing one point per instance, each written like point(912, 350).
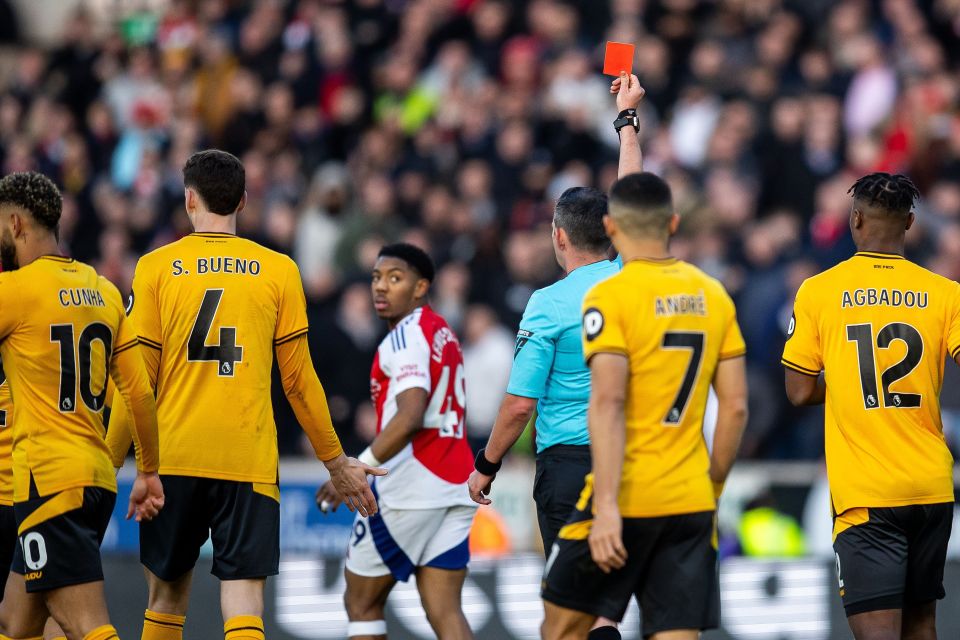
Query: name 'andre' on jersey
point(674, 324)
point(879, 327)
point(215, 306)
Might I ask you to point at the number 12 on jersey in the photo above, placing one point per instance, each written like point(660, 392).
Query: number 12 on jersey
point(862, 334)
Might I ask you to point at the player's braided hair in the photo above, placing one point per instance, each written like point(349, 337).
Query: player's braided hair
point(36, 193)
point(893, 193)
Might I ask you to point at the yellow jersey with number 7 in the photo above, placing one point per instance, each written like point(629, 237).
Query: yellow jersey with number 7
point(215, 306)
point(674, 324)
point(879, 327)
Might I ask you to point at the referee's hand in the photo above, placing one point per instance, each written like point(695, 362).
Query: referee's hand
point(480, 486)
point(606, 541)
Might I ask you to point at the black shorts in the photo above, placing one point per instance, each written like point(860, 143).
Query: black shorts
point(8, 542)
point(671, 568)
point(242, 519)
point(63, 548)
point(556, 487)
point(895, 558)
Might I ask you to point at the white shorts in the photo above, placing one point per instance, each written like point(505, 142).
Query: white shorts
point(397, 541)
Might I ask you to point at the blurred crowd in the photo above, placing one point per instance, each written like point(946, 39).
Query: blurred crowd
point(455, 124)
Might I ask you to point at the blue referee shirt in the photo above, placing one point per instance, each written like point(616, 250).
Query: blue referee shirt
point(548, 361)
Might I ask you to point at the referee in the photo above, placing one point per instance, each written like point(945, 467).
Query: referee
point(549, 373)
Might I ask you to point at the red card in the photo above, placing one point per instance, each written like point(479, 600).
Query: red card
point(619, 57)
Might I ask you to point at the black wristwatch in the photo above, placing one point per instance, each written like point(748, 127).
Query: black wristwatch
point(484, 466)
point(625, 118)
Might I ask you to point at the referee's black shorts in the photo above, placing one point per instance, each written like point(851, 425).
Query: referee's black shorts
point(561, 470)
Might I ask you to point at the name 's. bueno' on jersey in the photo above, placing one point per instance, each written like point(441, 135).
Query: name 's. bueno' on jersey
point(219, 264)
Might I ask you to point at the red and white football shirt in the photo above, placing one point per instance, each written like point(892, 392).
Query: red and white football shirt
point(430, 472)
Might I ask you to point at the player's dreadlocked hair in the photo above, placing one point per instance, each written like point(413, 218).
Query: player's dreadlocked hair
point(36, 193)
point(893, 193)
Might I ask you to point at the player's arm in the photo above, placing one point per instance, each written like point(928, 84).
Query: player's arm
point(629, 94)
point(532, 361)
point(804, 389)
point(802, 360)
point(730, 385)
point(609, 374)
point(408, 421)
point(133, 386)
point(309, 402)
point(119, 426)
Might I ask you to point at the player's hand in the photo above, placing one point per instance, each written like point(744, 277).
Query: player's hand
point(606, 541)
point(349, 478)
point(628, 91)
point(480, 486)
point(328, 499)
point(146, 497)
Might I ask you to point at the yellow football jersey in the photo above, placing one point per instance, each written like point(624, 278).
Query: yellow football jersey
point(62, 329)
point(6, 441)
point(879, 327)
point(214, 306)
point(674, 324)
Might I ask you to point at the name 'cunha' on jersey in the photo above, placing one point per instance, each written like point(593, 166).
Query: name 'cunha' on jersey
point(81, 297)
point(884, 298)
point(219, 264)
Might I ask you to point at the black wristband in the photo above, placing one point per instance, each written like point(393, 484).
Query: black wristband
point(484, 466)
point(627, 117)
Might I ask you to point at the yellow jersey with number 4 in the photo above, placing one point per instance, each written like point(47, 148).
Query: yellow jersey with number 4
point(6, 441)
point(674, 324)
point(879, 327)
point(215, 306)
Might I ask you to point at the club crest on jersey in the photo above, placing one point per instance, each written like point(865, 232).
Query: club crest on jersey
point(792, 326)
point(592, 323)
point(129, 303)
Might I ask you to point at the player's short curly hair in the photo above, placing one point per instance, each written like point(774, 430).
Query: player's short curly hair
point(35, 193)
point(416, 257)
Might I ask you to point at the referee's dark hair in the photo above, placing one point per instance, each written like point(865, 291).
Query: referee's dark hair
point(36, 194)
point(218, 178)
point(416, 257)
point(580, 212)
point(642, 204)
point(893, 194)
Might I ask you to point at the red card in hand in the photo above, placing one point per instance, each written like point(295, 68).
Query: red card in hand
point(619, 57)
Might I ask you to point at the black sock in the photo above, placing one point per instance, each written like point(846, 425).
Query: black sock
point(604, 633)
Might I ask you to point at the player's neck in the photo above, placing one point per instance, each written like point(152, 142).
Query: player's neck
point(393, 322)
point(643, 249)
point(206, 222)
point(574, 261)
point(41, 244)
point(882, 246)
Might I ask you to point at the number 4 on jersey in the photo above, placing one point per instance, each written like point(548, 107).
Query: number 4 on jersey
point(227, 353)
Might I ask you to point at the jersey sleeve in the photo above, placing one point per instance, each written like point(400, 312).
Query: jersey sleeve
point(802, 351)
point(602, 324)
point(953, 331)
point(733, 345)
point(408, 355)
point(142, 307)
point(535, 349)
point(292, 310)
point(9, 305)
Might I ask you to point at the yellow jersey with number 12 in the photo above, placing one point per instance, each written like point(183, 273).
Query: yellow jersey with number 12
point(879, 327)
point(674, 324)
point(215, 306)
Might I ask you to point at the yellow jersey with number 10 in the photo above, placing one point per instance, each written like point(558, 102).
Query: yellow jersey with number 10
point(674, 324)
point(215, 306)
point(879, 327)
